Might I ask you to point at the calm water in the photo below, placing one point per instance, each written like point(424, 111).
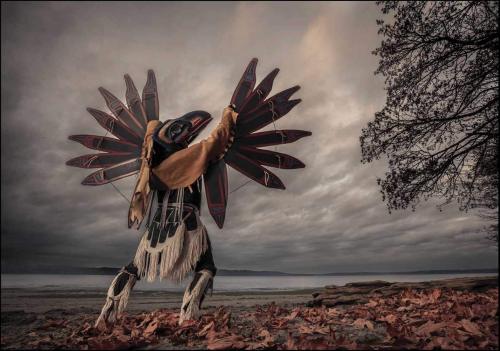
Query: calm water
point(222, 283)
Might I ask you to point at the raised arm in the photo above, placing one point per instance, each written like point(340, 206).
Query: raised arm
point(185, 166)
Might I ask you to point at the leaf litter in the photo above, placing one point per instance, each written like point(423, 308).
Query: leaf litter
point(412, 319)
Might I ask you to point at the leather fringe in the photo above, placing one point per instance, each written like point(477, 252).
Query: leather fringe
point(115, 305)
point(174, 258)
point(190, 308)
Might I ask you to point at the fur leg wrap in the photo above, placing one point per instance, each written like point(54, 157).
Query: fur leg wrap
point(117, 297)
point(194, 295)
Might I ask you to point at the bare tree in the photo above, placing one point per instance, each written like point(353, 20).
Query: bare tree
point(439, 126)
point(488, 204)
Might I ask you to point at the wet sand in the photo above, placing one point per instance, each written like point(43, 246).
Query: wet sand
point(44, 300)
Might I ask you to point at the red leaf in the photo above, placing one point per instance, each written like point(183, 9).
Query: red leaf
point(470, 327)
point(294, 314)
point(151, 328)
point(430, 327)
point(229, 342)
point(290, 343)
point(390, 318)
point(268, 338)
point(436, 293)
point(204, 331)
point(362, 323)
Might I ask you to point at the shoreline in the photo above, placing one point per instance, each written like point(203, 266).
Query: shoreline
point(90, 299)
point(43, 301)
point(225, 284)
point(404, 316)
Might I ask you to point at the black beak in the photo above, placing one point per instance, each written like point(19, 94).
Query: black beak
point(197, 120)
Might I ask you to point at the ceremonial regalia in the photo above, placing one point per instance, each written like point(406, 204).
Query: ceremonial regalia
point(172, 173)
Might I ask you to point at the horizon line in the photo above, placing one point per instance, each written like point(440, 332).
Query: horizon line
point(422, 271)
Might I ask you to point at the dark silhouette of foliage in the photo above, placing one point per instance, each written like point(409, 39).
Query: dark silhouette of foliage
point(439, 126)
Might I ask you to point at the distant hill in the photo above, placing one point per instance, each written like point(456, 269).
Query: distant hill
point(247, 272)
point(220, 272)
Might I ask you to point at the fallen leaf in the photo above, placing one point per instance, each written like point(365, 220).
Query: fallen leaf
point(430, 327)
point(304, 329)
point(333, 312)
point(436, 293)
point(293, 315)
point(188, 323)
point(362, 323)
point(135, 333)
point(205, 329)
point(151, 328)
point(405, 308)
point(123, 338)
point(390, 318)
point(322, 330)
point(228, 342)
point(264, 333)
point(290, 342)
point(470, 327)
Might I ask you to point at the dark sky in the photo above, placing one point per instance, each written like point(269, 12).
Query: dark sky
point(331, 217)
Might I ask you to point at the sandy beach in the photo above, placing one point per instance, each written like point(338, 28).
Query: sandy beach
point(455, 313)
point(43, 301)
point(27, 310)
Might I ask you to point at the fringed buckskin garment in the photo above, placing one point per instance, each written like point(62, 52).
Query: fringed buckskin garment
point(175, 241)
point(172, 172)
point(171, 251)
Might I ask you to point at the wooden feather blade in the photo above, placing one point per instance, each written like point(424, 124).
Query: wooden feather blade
point(272, 114)
point(269, 158)
point(216, 190)
point(273, 137)
point(106, 144)
point(134, 102)
point(150, 100)
point(245, 85)
point(110, 174)
point(278, 98)
point(253, 170)
point(99, 160)
point(260, 93)
point(121, 112)
point(115, 127)
point(284, 95)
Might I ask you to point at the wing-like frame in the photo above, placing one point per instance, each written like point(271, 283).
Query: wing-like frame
point(255, 111)
point(120, 157)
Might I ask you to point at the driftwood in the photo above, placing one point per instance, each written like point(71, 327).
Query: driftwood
point(360, 292)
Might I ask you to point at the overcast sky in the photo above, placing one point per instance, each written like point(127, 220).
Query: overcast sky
point(331, 217)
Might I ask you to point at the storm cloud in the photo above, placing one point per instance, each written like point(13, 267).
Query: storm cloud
point(331, 217)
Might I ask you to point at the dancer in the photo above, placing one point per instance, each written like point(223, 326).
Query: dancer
point(171, 174)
